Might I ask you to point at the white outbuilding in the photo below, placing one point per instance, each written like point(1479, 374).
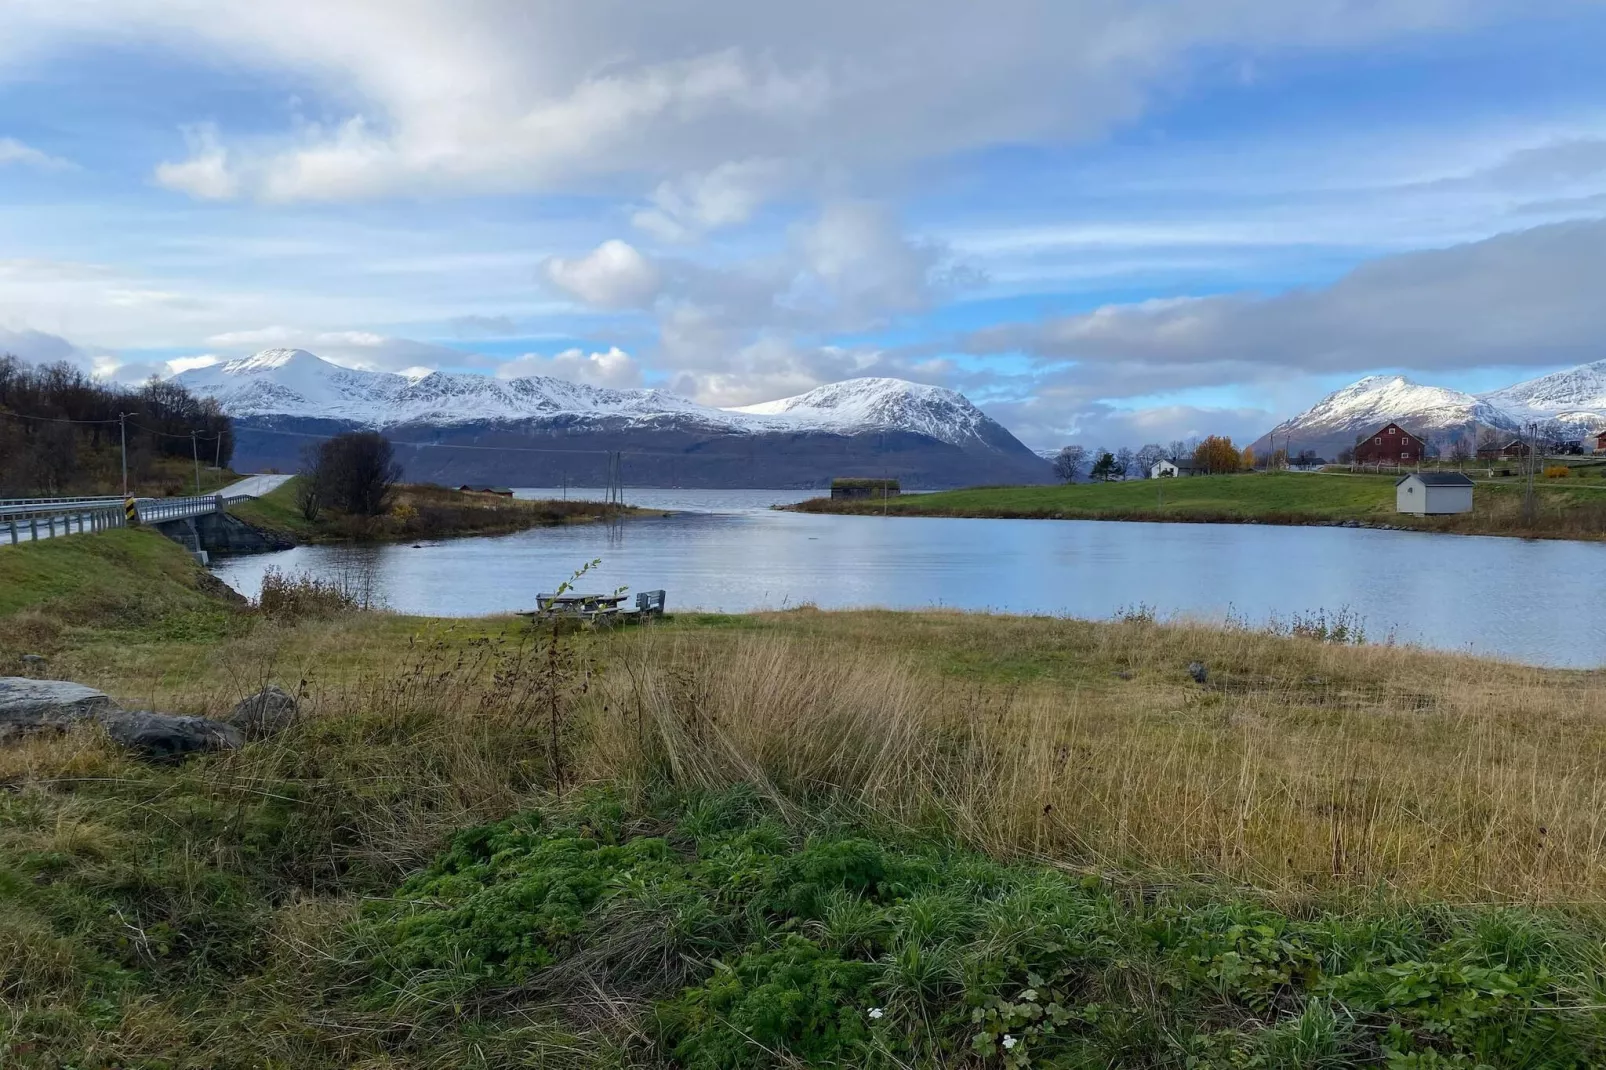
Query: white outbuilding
point(1430, 493)
point(1166, 469)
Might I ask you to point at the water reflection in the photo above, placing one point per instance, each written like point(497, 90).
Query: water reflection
point(1533, 601)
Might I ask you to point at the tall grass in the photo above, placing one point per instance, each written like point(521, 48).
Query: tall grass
point(1425, 781)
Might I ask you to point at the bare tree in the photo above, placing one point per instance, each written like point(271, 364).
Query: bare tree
point(1178, 451)
point(310, 480)
point(1068, 463)
point(1149, 456)
point(1124, 461)
point(358, 472)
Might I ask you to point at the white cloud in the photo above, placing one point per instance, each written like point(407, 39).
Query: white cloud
point(13, 151)
point(496, 95)
point(1528, 297)
point(366, 350)
point(38, 347)
point(614, 368)
point(205, 174)
point(613, 275)
point(695, 203)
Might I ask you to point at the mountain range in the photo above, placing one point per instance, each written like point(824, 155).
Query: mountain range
point(1573, 402)
point(538, 431)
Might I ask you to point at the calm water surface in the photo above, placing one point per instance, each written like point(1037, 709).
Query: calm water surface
point(727, 550)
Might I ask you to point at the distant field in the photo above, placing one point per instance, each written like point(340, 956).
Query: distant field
point(1566, 509)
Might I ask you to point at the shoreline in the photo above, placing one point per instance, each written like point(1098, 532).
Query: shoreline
point(1561, 513)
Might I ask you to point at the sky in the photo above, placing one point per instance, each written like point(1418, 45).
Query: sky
point(1113, 221)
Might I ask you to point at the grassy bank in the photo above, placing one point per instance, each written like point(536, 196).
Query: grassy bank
point(420, 511)
point(728, 841)
point(1565, 510)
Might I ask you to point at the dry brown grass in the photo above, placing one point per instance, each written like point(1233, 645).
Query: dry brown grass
point(1300, 767)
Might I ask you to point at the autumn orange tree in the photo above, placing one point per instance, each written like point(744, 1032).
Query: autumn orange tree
point(1217, 454)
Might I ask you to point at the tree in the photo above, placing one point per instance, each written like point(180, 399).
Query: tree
point(358, 472)
point(1178, 451)
point(1149, 456)
point(1217, 454)
point(310, 483)
point(1125, 459)
point(1068, 463)
point(1247, 459)
point(1104, 467)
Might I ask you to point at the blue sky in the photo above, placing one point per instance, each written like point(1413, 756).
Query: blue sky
point(1120, 222)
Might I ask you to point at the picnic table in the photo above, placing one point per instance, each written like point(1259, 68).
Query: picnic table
point(595, 607)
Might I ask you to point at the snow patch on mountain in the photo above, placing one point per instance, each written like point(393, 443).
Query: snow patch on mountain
point(296, 383)
point(893, 404)
point(1575, 398)
point(1434, 412)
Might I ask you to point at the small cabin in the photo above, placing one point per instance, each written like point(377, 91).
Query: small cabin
point(1515, 448)
point(1390, 444)
point(865, 488)
point(1597, 442)
point(1164, 469)
point(1433, 493)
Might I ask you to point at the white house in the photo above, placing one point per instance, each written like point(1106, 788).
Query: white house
point(1431, 493)
point(1164, 469)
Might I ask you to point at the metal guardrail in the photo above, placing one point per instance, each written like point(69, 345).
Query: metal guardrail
point(157, 510)
point(32, 519)
point(49, 524)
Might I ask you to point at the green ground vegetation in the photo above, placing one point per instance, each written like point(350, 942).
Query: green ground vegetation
point(1566, 508)
point(419, 511)
point(794, 839)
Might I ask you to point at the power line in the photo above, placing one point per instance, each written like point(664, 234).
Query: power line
point(52, 419)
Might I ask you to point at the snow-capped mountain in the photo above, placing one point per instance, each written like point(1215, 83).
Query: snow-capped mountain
point(1575, 398)
point(1434, 412)
point(856, 427)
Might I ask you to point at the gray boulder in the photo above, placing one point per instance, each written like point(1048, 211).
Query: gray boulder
point(168, 736)
point(266, 713)
point(1197, 670)
point(30, 705)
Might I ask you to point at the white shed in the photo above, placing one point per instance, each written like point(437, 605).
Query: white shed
point(1429, 493)
point(1164, 469)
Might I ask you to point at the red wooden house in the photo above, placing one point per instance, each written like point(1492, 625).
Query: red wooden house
point(1392, 444)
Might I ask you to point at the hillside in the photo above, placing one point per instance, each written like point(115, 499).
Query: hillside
point(539, 431)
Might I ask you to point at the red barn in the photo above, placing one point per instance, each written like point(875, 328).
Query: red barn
point(1392, 444)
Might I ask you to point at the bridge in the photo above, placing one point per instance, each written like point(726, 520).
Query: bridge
point(32, 519)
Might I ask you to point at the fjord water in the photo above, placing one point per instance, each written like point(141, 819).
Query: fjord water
point(1532, 601)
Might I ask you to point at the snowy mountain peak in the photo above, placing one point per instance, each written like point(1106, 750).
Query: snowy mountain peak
point(1577, 392)
point(269, 360)
point(295, 383)
point(880, 403)
point(1337, 420)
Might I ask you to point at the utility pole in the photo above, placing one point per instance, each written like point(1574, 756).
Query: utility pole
point(195, 452)
point(122, 430)
point(1530, 448)
point(217, 458)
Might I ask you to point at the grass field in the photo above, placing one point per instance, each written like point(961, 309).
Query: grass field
point(1566, 509)
point(792, 839)
point(420, 512)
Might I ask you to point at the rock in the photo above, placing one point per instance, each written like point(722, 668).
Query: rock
point(266, 713)
point(167, 736)
point(34, 661)
point(1197, 670)
point(29, 705)
point(1121, 675)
